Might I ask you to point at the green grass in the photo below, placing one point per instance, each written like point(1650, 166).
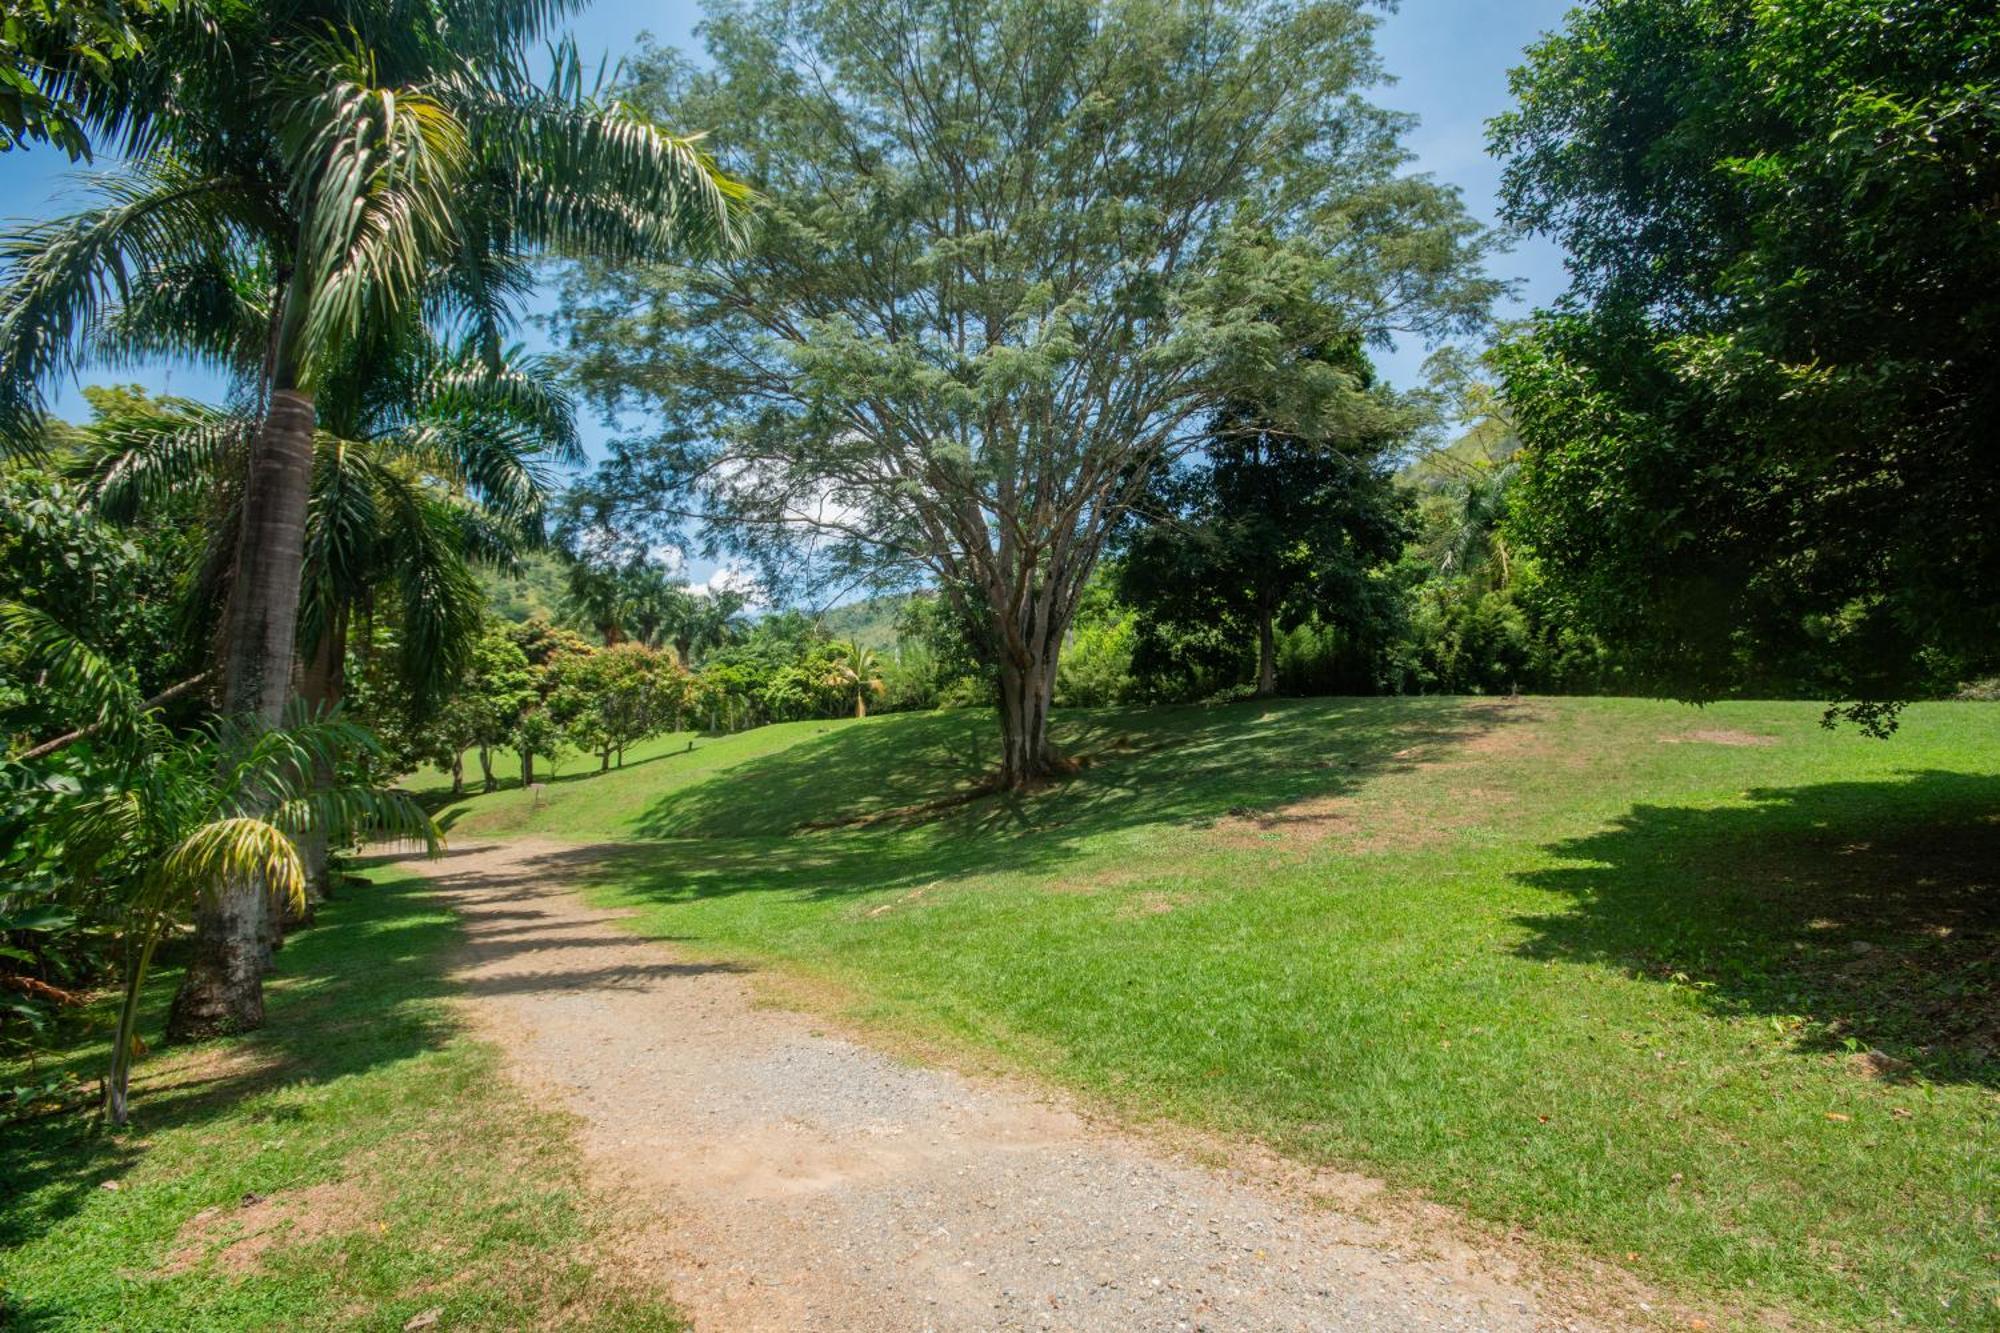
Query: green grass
point(1555, 963)
point(400, 1171)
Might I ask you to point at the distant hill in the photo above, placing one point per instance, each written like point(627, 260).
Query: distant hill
point(870, 623)
point(535, 590)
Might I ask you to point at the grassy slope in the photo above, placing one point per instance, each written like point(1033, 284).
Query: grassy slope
point(1536, 960)
point(400, 1172)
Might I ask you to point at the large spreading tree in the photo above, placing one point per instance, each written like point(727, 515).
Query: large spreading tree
point(1014, 257)
point(1760, 425)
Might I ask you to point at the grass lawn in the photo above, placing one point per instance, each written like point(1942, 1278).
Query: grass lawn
point(1709, 993)
point(358, 1163)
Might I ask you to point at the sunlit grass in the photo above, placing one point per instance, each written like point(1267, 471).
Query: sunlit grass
point(1612, 970)
point(358, 1163)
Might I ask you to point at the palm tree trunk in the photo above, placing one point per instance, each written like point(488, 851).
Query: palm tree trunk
point(117, 1084)
point(223, 990)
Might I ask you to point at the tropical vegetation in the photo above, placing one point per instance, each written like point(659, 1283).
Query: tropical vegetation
point(1014, 587)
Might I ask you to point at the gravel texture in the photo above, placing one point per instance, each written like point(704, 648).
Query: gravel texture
point(787, 1178)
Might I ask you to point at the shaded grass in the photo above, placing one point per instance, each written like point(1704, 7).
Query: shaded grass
point(358, 1162)
point(1531, 959)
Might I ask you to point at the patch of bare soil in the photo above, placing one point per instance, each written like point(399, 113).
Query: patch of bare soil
point(782, 1176)
point(1719, 736)
point(237, 1239)
point(1501, 728)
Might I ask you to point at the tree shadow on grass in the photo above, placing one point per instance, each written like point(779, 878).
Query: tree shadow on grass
point(357, 991)
point(574, 769)
point(928, 819)
point(1138, 766)
point(1861, 916)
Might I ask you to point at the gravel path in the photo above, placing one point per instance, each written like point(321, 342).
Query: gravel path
point(790, 1179)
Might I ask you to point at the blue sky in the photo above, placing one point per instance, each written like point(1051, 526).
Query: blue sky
point(1449, 57)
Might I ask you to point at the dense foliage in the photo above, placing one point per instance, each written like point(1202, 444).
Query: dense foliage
point(1759, 426)
point(1263, 533)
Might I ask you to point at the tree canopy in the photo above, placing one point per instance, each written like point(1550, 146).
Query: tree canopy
point(980, 311)
point(1759, 424)
point(1265, 532)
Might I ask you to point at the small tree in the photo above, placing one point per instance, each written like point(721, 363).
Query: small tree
point(480, 714)
point(618, 697)
point(538, 733)
point(856, 671)
point(1268, 530)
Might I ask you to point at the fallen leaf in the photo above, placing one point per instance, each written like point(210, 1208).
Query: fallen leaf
point(1835, 1115)
point(424, 1320)
point(111, 1185)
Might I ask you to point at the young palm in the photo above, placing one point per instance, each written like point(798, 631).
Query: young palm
point(179, 817)
point(716, 622)
point(658, 605)
point(597, 597)
point(858, 669)
point(356, 152)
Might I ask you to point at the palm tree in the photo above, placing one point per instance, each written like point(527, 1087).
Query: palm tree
point(1467, 520)
point(182, 817)
point(660, 604)
point(597, 596)
point(716, 621)
point(355, 152)
point(425, 463)
point(858, 669)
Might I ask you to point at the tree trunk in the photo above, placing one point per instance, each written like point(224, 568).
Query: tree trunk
point(486, 768)
point(1267, 654)
point(458, 773)
point(527, 769)
point(223, 990)
point(860, 703)
point(604, 761)
point(1025, 756)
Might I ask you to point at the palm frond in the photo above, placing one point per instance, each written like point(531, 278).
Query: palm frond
point(374, 179)
point(69, 272)
point(170, 448)
point(344, 519)
point(232, 850)
point(214, 309)
point(439, 599)
point(350, 811)
point(583, 176)
point(93, 684)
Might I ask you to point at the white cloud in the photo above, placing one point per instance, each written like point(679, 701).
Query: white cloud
point(730, 578)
